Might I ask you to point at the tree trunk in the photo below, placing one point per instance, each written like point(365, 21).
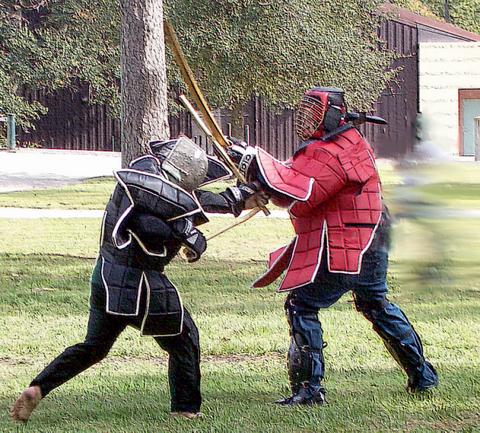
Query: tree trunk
point(144, 78)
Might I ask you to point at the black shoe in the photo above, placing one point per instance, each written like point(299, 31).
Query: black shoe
point(414, 388)
point(304, 397)
point(423, 381)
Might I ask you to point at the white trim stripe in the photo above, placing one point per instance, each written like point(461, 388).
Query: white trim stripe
point(107, 309)
point(262, 170)
point(147, 307)
point(123, 216)
point(145, 249)
point(319, 260)
point(274, 263)
point(175, 186)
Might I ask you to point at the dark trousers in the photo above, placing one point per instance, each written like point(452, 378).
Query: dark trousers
point(369, 291)
point(104, 329)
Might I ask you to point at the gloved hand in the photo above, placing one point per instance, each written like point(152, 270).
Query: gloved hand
point(193, 239)
point(259, 199)
point(245, 196)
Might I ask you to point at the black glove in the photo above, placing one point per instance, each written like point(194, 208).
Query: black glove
point(192, 238)
point(236, 196)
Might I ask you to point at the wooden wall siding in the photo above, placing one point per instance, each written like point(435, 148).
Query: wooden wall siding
point(71, 123)
point(398, 104)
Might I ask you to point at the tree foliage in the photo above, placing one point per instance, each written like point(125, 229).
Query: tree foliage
point(279, 48)
point(462, 13)
point(57, 44)
point(236, 47)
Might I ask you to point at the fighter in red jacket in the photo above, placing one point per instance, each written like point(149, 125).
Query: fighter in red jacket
point(332, 189)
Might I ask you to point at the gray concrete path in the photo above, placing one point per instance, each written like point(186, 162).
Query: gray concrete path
point(43, 168)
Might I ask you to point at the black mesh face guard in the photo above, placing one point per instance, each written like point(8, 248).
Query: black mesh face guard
point(309, 116)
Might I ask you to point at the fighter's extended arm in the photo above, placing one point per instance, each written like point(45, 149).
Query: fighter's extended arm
point(233, 200)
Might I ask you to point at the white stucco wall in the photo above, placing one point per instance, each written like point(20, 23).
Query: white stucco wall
point(445, 67)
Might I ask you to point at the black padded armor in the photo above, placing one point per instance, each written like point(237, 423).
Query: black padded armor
point(138, 266)
point(147, 220)
point(155, 195)
point(137, 242)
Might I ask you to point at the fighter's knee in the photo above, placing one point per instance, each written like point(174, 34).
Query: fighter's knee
point(96, 353)
point(370, 308)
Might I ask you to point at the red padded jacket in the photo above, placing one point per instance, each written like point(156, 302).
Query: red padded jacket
point(336, 205)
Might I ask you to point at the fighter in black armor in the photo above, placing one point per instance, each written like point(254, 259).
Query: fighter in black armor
point(153, 212)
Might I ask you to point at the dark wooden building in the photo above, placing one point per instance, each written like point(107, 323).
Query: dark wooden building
point(72, 123)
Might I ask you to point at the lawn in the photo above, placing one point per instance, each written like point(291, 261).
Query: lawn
point(244, 340)
point(455, 185)
point(43, 308)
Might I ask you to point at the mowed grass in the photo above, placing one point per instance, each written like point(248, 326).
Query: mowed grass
point(44, 274)
point(89, 194)
point(455, 185)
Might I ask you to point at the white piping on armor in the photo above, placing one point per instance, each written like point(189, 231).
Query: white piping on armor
point(147, 307)
point(262, 170)
point(139, 292)
point(102, 227)
point(200, 209)
point(143, 157)
point(217, 161)
point(194, 195)
point(145, 249)
point(274, 262)
point(123, 216)
point(319, 260)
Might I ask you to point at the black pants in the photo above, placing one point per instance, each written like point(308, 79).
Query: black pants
point(104, 329)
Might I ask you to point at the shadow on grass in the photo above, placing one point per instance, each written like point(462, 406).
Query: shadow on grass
point(240, 398)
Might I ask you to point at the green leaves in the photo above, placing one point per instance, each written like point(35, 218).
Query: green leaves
point(60, 46)
point(463, 13)
point(278, 49)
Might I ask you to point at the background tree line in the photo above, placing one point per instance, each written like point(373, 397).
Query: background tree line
point(236, 47)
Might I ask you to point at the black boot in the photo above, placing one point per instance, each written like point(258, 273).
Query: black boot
point(305, 396)
point(417, 383)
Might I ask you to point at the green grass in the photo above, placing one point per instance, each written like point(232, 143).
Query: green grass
point(90, 194)
point(44, 273)
point(453, 185)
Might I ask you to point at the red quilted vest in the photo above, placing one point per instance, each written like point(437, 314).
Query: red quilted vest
point(336, 204)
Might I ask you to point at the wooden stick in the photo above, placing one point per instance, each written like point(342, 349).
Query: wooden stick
point(219, 142)
point(237, 222)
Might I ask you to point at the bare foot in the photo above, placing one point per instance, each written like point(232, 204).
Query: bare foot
point(188, 415)
point(25, 404)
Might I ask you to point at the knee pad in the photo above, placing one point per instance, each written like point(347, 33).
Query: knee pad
point(304, 365)
point(370, 308)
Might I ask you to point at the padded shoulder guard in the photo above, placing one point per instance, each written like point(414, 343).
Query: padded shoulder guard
point(358, 163)
point(157, 196)
point(216, 171)
point(147, 163)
